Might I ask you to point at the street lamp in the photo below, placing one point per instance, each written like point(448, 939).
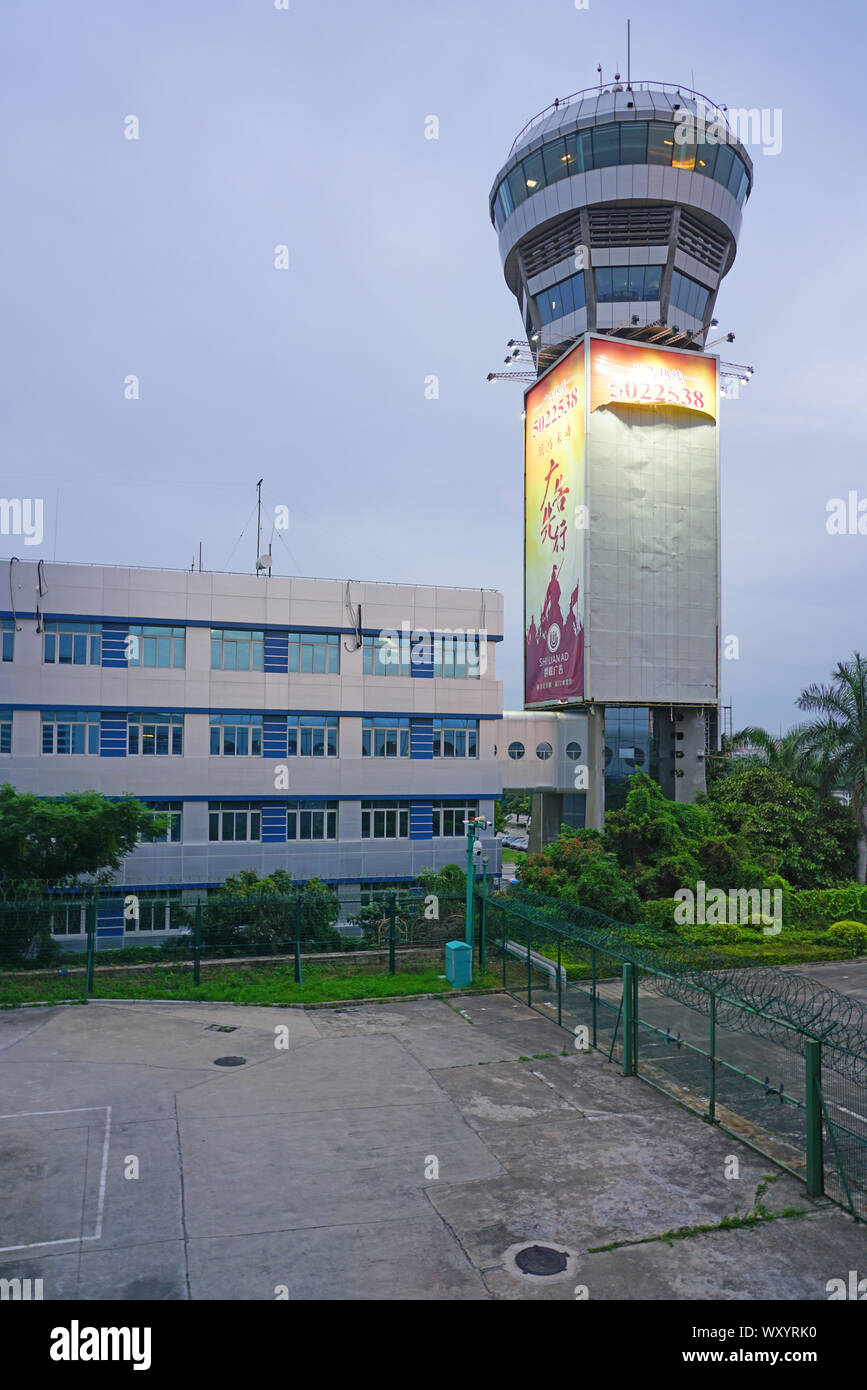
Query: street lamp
point(474, 826)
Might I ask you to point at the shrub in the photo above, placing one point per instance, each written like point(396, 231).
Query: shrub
point(852, 936)
point(715, 934)
point(658, 913)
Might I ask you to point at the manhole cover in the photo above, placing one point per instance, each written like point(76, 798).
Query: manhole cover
point(541, 1259)
point(221, 1028)
point(229, 1061)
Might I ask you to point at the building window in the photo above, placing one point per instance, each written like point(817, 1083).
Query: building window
point(316, 652)
point(7, 629)
point(621, 284)
point(543, 751)
point(457, 655)
point(618, 142)
point(5, 731)
point(68, 919)
point(450, 818)
point(312, 735)
point(384, 820)
point(159, 733)
point(237, 649)
point(155, 644)
point(173, 833)
point(689, 295)
point(573, 751)
point(385, 737)
point(456, 738)
point(234, 820)
point(157, 914)
point(236, 735)
point(566, 297)
point(70, 731)
point(311, 820)
point(72, 644)
point(516, 750)
point(386, 656)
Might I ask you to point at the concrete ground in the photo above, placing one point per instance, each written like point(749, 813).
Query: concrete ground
point(390, 1151)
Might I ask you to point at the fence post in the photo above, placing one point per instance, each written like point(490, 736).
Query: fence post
point(197, 944)
point(391, 911)
point(90, 924)
point(711, 1104)
point(593, 988)
point(559, 988)
point(813, 1099)
point(503, 946)
point(298, 979)
point(628, 1019)
point(529, 972)
point(483, 925)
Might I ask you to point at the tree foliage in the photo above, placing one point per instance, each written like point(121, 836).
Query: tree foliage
point(56, 840)
point(247, 909)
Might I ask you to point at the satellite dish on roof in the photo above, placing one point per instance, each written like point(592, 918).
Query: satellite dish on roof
point(263, 562)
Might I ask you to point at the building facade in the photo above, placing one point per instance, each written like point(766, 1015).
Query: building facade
point(339, 731)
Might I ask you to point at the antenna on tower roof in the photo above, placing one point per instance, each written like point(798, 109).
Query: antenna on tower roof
point(629, 55)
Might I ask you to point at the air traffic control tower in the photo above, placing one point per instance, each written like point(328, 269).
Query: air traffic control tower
point(618, 212)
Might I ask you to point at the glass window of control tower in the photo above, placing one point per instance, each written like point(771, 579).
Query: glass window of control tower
point(630, 744)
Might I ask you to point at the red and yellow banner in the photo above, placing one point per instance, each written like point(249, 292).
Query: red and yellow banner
point(555, 524)
point(630, 374)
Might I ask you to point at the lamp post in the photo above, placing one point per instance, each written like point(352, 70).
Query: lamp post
point(473, 827)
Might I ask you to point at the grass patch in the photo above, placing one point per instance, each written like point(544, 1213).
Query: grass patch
point(757, 1217)
point(238, 984)
point(514, 856)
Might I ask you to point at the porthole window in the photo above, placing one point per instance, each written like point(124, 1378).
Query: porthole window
point(543, 751)
point(573, 751)
point(516, 750)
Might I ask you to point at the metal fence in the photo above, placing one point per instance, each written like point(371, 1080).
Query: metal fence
point(766, 1054)
point(297, 938)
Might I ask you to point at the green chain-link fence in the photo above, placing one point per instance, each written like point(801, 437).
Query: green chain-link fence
point(768, 1055)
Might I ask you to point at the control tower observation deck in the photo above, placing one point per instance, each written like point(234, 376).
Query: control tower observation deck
point(618, 211)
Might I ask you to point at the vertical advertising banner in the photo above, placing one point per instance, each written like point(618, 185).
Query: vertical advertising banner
point(653, 554)
point(554, 534)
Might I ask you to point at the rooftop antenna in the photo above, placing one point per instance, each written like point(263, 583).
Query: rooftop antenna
point(629, 55)
point(259, 527)
point(599, 70)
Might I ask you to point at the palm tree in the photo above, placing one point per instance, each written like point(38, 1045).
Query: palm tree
point(838, 738)
point(789, 754)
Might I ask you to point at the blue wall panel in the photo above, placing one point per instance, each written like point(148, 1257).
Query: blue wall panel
point(274, 822)
point(112, 735)
point(421, 738)
point(421, 820)
point(274, 738)
point(114, 646)
point(277, 652)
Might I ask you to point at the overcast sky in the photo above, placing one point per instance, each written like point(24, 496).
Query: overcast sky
point(260, 127)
